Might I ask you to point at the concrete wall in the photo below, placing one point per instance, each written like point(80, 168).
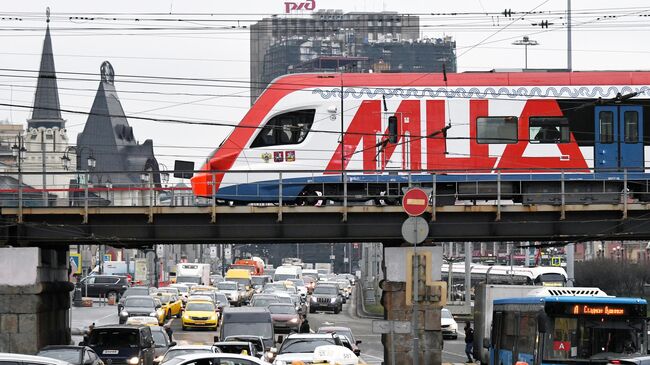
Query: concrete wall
point(34, 299)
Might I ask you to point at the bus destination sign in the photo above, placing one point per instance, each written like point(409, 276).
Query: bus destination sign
point(598, 310)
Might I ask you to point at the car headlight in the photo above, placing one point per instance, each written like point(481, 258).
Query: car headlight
point(213, 317)
point(293, 320)
point(152, 314)
point(333, 300)
point(279, 362)
point(133, 361)
point(313, 299)
point(124, 314)
point(158, 359)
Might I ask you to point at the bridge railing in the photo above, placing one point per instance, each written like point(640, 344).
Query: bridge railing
point(498, 188)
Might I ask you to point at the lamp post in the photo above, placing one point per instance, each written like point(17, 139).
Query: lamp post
point(525, 42)
point(19, 151)
point(90, 163)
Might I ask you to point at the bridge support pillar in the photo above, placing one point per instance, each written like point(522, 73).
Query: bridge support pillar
point(34, 299)
point(397, 299)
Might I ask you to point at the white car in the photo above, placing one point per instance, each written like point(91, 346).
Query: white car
point(448, 324)
point(218, 358)
point(231, 289)
point(7, 358)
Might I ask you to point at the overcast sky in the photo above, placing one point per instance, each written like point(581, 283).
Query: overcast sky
point(600, 42)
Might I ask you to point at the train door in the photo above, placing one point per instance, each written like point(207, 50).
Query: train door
point(618, 138)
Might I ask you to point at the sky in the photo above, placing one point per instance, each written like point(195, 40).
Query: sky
point(206, 41)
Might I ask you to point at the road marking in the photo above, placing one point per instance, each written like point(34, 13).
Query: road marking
point(374, 357)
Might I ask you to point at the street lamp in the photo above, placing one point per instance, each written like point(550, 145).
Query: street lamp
point(525, 42)
point(20, 153)
point(91, 163)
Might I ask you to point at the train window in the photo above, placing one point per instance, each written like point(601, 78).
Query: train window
point(548, 129)
point(606, 121)
point(496, 130)
point(631, 120)
point(287, 128)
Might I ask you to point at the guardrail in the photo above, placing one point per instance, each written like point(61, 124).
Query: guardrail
point(317, 188)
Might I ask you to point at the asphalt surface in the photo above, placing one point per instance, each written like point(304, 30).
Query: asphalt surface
point(453, 351)
point(372, 351)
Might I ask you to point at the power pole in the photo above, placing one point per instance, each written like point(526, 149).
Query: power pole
point(568, 33)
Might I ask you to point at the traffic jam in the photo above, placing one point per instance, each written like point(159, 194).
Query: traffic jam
point(254, 314)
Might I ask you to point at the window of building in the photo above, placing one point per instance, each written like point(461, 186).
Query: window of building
point(496, 130)
point(287, 128)
point(548, 130)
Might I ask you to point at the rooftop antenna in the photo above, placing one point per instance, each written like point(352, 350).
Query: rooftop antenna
point(47, 14)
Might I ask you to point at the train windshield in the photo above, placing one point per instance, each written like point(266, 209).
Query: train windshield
point(584, 338)
point(551, 279)
point(286, 128)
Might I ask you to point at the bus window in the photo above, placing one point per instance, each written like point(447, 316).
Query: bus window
point(509, 333)
point(527, 333)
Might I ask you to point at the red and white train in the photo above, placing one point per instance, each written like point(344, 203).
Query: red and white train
point(529, 130)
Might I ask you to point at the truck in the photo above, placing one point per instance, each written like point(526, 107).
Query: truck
point(249, 264)
point(193, 273)
point(324, 268)
point(115, 268)
point(483, 300)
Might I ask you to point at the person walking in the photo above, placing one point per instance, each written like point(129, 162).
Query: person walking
point(469, 341)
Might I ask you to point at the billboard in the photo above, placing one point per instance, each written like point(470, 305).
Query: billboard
point(75, 263)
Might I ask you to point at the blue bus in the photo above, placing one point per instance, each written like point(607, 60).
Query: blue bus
point(572, 329)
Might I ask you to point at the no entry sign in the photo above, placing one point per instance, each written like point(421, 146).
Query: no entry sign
point(415, 202)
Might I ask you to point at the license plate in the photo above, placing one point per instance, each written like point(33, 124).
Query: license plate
point(110, 352)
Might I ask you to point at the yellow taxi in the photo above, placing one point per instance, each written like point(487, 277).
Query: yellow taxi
point(171, 304)
point(160, 311)
point(200, 314)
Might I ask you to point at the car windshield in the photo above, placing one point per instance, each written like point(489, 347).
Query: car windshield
point(297, 282)
point(328, 290)
point(241, 281)
point(447, 314)
point(200, 307)
point(285, 299)
point(139, 302)
point(69, 355)
point(172, 353)
point(302, 345)
point(182, 288)
point(282, 309)
point(136, 291)
point(223, 300)
point(259, 280)
point(264, 330)
point(264, 302)
point(282, 277)
point(338, 331)
point(114, 337)
point(227, 286)
point(159, 338)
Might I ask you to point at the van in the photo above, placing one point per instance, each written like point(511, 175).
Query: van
point(244, 321)
point(285, 272)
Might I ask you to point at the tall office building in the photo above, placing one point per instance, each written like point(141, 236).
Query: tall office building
point(331, 40)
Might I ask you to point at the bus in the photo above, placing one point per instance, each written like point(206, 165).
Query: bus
point(567, 326)
point(500, 274)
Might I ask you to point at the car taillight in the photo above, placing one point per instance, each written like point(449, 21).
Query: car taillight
point(617, 362)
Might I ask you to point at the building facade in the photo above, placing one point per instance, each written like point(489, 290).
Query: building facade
point(331, 40)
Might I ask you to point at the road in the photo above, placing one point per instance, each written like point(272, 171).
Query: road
point(453, 351)
point(372, 351)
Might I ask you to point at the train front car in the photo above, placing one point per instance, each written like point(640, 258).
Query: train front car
point(463, 131)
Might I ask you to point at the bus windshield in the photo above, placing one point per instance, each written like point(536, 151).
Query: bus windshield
point(582, 338)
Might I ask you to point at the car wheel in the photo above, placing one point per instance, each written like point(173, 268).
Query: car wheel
point(168, 315)
point(179, 314)
point(184, 328)
point(312, 310)
point(337, 310)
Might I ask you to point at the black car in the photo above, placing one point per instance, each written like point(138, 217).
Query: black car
point(138, 306)
point(75, 355)
point(162, 342)
point(122, 344)
point(326, 297)
point(96, 286)
point(136, 290)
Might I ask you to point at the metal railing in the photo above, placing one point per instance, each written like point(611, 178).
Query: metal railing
point(297, 188)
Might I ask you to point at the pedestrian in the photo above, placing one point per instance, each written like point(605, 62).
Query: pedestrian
point(469, 341)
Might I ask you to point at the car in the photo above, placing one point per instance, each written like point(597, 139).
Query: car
point(332, 354)
point(216, 278)
point(301, 347)
point(222, 301)
point(200, 314)
point(75, 355)
point(640, 360)
point(183, 289)
point(218, 358)
point(171, 304)
point(162, 343)
point(136, 290)
point(161, 312)
point(18, 359)
point(263, 300)
point(300, 286)
point(178, 350)
point(140, 305)
point(310, 283)
point(237, 347)
point(96, 286)
point(205, 297)
point(326, 297)
point(142, 321)
point(259, 281)
point(257, 341)
point(231, 289)
point(122, 344)
point(285, 318)
point(343, 332)
point(448, 324)
point(170, 290)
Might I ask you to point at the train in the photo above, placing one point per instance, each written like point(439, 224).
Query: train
point(525, 136)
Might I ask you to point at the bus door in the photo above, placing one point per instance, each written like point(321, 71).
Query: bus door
point(618, 138)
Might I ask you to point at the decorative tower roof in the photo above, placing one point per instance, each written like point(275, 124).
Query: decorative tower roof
point(47, 109)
